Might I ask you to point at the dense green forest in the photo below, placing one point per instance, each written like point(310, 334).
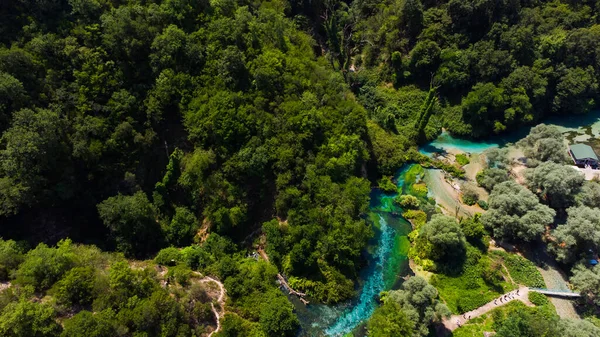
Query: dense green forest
point(138, 125)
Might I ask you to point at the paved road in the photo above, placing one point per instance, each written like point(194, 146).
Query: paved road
point(455, 321)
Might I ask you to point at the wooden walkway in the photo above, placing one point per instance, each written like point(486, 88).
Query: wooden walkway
point(456, 321)
point(560, 293)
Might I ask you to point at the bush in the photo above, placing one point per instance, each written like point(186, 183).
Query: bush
point(462, 159)
point(11, 256)
point(180, 273)
point(76, 287)
point(483, 204)
point(43, 266)
point(407, 201)
point(469, 194)
point(168, 256)
point(538, 299)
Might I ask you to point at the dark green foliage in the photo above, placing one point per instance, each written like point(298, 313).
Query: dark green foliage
point(131, 221)
point(182, 229)
point(389, 320)
point(441, 240)
point(473, 229)
point(483, 204)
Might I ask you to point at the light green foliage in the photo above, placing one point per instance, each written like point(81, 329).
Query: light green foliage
point(462, 159)
point(516, 213)
point(537, 298)
point(407, 201)
point(86, 324)
point(277, 317)
point(557, 184)
point(44, 265)
point(132, 223)
point(580, 234)
point(77, 287)
point(477, 281)
point(29, 319)
point(522, 271)
point(419, 302)
point(169, 256)
point(389, 320)
point(180, 274)
point(544, 143)
point(11, 255)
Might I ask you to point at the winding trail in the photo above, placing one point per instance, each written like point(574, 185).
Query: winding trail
point(220, 300)
point(455, 321)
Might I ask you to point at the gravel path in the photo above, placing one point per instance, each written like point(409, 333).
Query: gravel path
point(555, 280)
point(455, 321)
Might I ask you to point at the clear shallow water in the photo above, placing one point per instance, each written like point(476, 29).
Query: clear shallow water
point(579, 127)
point(387, 262)
point(387, 257)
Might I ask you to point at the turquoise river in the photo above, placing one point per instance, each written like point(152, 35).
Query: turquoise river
point(387, 261)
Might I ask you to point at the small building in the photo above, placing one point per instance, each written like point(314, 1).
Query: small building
point(583, 155)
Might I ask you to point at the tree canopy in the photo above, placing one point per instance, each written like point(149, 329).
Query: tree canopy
point(516, 213)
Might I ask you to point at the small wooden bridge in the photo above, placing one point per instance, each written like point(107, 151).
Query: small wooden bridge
point(558, 293)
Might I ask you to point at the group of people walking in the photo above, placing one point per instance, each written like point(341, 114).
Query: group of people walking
point(503, 299)
point(507, 297)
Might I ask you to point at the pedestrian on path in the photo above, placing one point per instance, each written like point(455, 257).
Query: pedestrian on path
point(517, 292)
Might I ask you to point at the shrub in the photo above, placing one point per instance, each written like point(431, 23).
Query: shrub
point(537, 298)
point(76, 287)
point(483, 204)
point(43, 266)
point(462, 159)
point(469, 194)
point(11, 256)
point(180, 273)
point(168, 256)
point(407, 201)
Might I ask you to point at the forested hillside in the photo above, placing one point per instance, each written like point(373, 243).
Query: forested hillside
point(497, 64)
point(138, 125)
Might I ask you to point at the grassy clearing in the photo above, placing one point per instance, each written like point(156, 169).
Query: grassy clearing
point(521, 270)
point(480, 281)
